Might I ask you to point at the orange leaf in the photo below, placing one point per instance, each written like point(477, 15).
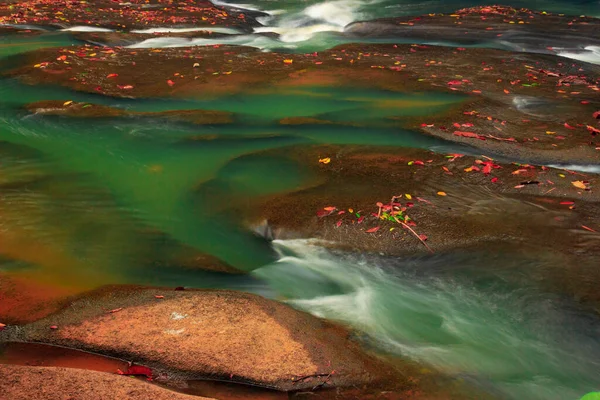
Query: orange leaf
point(372, 230)
point(579, 184)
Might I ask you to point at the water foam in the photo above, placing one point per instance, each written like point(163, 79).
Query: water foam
point(259, 42)
point(300, 26)
point(490, 333)
point(86, 29)
point(590, 54)
point(216, 29)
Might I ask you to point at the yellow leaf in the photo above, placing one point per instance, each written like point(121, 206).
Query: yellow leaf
point(66, 103)
point(288, 61)
point(441, 194)
point(408, 196)
point(326, 160)
point(579, 184)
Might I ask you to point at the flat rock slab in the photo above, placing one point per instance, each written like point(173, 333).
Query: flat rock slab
point(123, 15)
point(211, 334)
point(42, 383)
point(506, 27)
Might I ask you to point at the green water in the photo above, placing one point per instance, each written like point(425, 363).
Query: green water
point(129, 200)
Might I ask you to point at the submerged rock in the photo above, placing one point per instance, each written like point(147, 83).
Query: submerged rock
point(88, 110)
point(51, 383)
point(219, 334)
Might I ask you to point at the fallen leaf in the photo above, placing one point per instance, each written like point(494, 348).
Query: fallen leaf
point(372, 230)
point(441, 194)
point(66, 103)
point(137, 370)
point(579, 184)
point(2, 326)
point(115, 310)
point(159, 296)
point(325, 160)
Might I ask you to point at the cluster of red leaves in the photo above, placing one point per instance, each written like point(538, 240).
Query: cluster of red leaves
point(117, 14)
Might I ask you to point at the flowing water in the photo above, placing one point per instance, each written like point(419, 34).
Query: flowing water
point(86, 202)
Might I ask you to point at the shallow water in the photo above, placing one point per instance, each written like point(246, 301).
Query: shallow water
point(86, 202)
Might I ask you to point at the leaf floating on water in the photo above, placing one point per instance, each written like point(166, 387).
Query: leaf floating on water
point(137, 370)
point(373, 230)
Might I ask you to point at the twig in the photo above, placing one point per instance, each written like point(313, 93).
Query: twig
point(300, 379)
point(414, 233)
point(322, 383)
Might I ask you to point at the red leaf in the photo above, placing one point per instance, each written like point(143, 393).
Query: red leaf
point(587, 228)
point(115, 310)
point(568, 126)
point(170, 82)
point(372, 230)
point(339, 223)
point(469, 135)
point(360, 220)
point(137, 370)
point(567, 203)
point(159, 296)
point(487, 169)
point(593, 131)
point(112, 75)
point(494, 180)
point(596, 115)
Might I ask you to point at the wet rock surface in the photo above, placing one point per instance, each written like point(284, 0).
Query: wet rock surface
point(211, 334)
point(122, 15)
point(89, 110)
point(500, 26)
